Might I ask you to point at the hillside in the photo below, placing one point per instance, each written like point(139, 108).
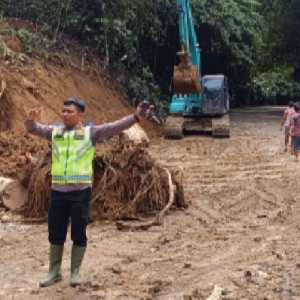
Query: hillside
point(45, 80)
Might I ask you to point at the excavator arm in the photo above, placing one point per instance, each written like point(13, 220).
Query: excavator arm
point(186, 77)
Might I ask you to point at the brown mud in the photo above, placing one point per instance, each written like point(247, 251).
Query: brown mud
point(239, 233)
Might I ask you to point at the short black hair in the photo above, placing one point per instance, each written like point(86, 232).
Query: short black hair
point(291, 104)
point(80, 104)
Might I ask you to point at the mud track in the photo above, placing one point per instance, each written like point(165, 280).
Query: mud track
point(240, 231)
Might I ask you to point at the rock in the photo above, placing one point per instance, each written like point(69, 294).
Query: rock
point(255, 276)
point(164, 240)
point(278, 255)
point(29, 85)
point(4, 182)
point(262, 275)
point(5, 218)
point(35, 292)
point(187, 265)
point(23, 58)
point(116, 269)
point(216, 294)
point(14, 194)
point(158, 286)
point(257, 239)
point(248, 275)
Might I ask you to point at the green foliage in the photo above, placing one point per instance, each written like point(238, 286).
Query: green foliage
point(33, 42)
point(278, 52)
point(27, 39)
point(274, 85)
point(233, 26)
point(248, 40)
point(2, 17)
point(228, 33)
point(143, 87)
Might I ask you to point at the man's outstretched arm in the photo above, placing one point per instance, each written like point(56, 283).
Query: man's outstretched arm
point(36, 128)
point(107, 130)
point(102, 132)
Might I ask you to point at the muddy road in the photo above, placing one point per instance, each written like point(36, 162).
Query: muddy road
point(238, 237)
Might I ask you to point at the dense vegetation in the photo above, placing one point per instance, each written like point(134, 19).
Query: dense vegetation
point(256, 43)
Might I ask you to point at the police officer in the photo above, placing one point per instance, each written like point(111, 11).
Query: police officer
point(73, 150)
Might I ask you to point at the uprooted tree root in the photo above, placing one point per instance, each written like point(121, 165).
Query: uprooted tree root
point(128, 184)
point(159, 217)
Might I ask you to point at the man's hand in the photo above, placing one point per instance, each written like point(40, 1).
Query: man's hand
point(144, 110)
point(34, 114)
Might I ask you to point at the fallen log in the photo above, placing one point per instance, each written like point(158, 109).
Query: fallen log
point(4, 182)
point(135, 135)
point(13, 194)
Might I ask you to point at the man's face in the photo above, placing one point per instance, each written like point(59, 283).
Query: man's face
point(71, 116)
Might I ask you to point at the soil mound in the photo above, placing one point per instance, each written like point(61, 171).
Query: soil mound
point(45, 80)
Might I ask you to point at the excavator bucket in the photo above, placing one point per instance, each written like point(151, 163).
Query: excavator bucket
point(186, 76)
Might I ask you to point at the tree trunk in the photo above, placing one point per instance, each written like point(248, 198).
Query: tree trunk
point(135, 135)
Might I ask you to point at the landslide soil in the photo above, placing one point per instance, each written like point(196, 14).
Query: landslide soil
point(45, 81)
point(240, 231)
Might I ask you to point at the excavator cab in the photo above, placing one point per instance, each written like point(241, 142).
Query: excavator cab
point(215, 95)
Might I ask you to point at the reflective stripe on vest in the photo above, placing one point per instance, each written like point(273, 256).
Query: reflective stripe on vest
point(72, 156)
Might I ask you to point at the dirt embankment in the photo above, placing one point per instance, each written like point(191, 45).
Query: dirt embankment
point(45, 82)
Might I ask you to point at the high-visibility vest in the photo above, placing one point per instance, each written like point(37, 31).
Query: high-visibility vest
point(72, 156)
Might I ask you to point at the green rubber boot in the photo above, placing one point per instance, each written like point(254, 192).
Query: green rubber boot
point(76, 260)
point(55, 259)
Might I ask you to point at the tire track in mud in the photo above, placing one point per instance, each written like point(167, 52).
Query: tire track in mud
point(243, 190)
point(242, 179)
point(240, 231)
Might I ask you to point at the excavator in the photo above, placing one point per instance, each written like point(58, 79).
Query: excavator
point(198, 104)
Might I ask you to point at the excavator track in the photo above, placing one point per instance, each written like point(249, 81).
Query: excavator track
point(174, 128)
point(221, 126)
